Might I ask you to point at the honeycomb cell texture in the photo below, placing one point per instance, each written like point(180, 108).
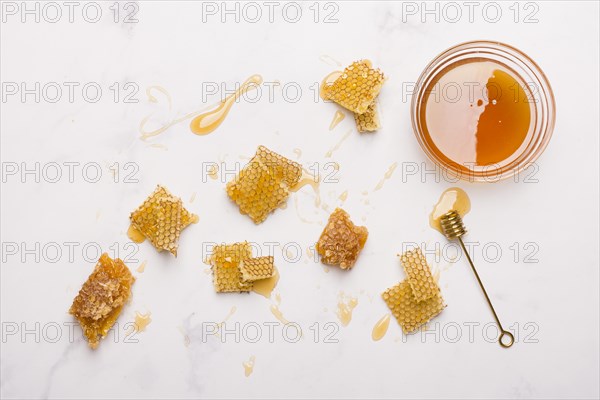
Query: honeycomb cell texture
point(225, 261)
point(101, 298)
point(254, 269)
point(418, 275)
point(341, 240)
point(369, 120)
point(410, 313)
point(161, 218)
point(263, 184)
point(356, 88)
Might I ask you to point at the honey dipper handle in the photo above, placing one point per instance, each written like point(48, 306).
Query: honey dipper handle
point(503, 333)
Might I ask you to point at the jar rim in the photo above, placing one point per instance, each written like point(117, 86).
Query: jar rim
point(545, 107)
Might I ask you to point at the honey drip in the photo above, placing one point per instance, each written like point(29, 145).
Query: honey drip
point(229, 314)
point(249, 366)
point(308, 179)
point(213, 171)
point(207, 122)
point(338, 144)
point(142, 266)
point(344, 196)
point(337, 118)
point(158, 146)
point(141, 321)
point(387, 176)
point(207, 119)
point(381, 327)
point(452, 199)
point(278, 314)
point(345, 308)
point(265, 287)
point(135, 235)
point(330, 60)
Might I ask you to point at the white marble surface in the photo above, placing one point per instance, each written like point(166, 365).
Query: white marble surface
point(553, 302)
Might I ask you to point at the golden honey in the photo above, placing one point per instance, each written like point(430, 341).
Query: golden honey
point(476, 113)
point(453, 199)
point(381, 327)
point(249, 366)
point(265, 287)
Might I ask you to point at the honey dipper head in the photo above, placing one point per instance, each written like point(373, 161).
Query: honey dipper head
point(452, 225)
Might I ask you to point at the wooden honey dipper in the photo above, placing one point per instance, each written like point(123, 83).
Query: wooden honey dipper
point(453, 228)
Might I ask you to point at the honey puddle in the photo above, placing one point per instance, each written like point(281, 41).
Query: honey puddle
point(249, 366)
point(344, 195)
point(338, 144)
point(345, 307)
point(135, 235)
point(387, 176)
point(207, 122)
point(193, 197)
point(298, 152)
point(141, 321)
point(337, 118)
point(452, 199)
point(381, 327)
point(142, 266)
point(207, 119)
point(265, 287)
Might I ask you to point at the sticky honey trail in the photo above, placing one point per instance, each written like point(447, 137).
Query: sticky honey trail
point(207, 122)
point(387, 176)
point(337, 118)
point(206, 119)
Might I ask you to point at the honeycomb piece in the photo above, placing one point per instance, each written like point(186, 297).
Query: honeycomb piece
point(258, 268)
point(341, 240)
point(419, 275)
point(101, 298)
point(410, 313)
point(369, 120)
point(263, 184)
point(357, 87)
point(224, 262)
point(161, 218)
